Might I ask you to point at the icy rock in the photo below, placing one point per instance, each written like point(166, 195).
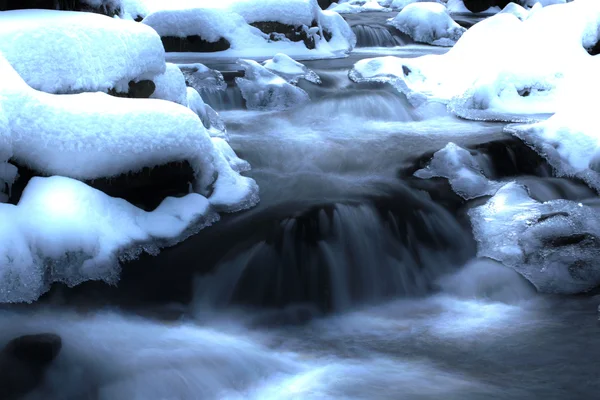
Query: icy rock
point(428, 23)
point(290, 70)
point(555, 245)
point(202, 78)
point(462, 170)
point(70, 52)
point(263, 90)
point(64, 231)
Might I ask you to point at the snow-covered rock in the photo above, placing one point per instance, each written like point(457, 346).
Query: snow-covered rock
point(356, 6)
point(64, 231)
point(290, 70)
point(462, 170)
point(263, 90)
point(67, 52)
point(170, 85)
point(502, 68)
point(555, 245)
point(428, 23)
point(230, 24)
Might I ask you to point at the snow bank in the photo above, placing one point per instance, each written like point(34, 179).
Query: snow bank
point(462, 170)
point(66, 52)
point(502, 68)
point(64, 231)
point(230, 20)
point(290, 70)
point(428, 23)
point(263, 90)
point(555, 245)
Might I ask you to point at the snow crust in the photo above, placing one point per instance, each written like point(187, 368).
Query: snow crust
point(502, 68)
point(263, 90)
point(462, 170)
point(231, 20)
point(65, 231)
point(68, 52)
point(428, 23)
point(555, 245)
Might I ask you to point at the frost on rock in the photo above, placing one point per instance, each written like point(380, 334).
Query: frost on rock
point(68, 52)
point(428, 23)
point(228, 23)
point(290, 70)
point(569, 140)
point(555, 245)
point(462, 170)
point(263, 90)
point(502, 68)
point(64, 231)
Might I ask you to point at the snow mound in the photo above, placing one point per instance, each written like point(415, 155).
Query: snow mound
point(290, 70)
point(400, 4)
point(555, 245)
point(64, 231)
point(231, 21)
point(356, 6)
point(170, 85)
point(462, 170)
point(237, 164)
point(502, 68)
point(569, 140)
point(263, 90)
point(67, 52)
point(428, 23)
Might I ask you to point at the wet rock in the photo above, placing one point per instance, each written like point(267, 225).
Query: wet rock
point(137, 90)
point(479, 5)
point(23, 362)
point(278, 31)
point(194, 44)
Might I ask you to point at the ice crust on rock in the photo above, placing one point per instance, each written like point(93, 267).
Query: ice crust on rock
point(263, 90)
point(428, 23)
point(290, 70)
point(231, 19)
point(65, 231)
point(555, 245)
point(68, 52)
point(502, 68)
point(462, 170)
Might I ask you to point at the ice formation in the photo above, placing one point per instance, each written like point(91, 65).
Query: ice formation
point(555, 245)
point(231, 21)
point(462, 170)
point(502, 68)
point(67, 52)
point(263, 90)
point(290, 70)
point(428, 23)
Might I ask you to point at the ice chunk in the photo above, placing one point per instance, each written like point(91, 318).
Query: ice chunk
point(555, 245)
point(428, 23)
point(67, 52)
point(462, 171)
point(290, 70)
point(210, 118)
point(170, 85)
point(64, 231)
point(263, 90)
point(202, 78)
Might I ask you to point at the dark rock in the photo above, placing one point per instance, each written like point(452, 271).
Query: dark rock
point(587, 239)
point(278, 31)
point(137, 90)
point(512, 157)
point(324, 4)
point(545, 217)
point(146, 188)
point(194, 44)
point(67, 5)
point(479, 5)
point(595, 49)
point(23, 362)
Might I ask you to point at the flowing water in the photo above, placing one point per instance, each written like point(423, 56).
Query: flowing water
point(350, 280)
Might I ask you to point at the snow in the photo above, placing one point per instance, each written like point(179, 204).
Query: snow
point(502, 68)
point(170, 85)
point(231, 20)
point(290, 70)
point(462, 170)
point(555, 245)
point(428, 23)
point(263, 90)
point(78, 51)
point(236, 163)
point(64, 231)
point(458, 7)
point(356, 6)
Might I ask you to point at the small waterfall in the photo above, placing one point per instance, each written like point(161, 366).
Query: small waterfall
point(224, 100)
point(379, 36)
point(342, 255)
